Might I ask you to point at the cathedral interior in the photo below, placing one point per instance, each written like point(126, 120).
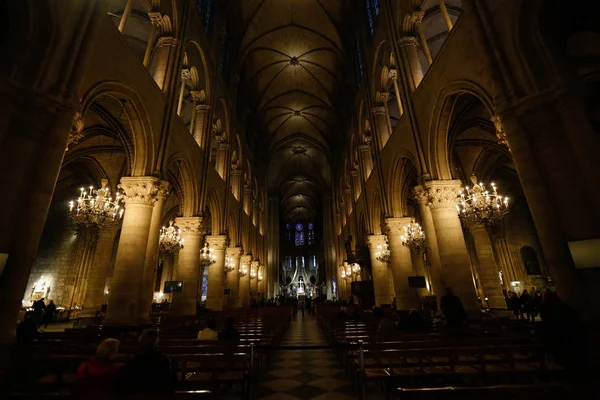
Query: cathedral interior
point(175, 161)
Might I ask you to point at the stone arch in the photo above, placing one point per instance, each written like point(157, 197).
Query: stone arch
point(181, 171)
point(216, 212)
point(196, 57)
point(403, 171)
point(232, 229)
point(438, 157)
point(137, 134)
point(376, 213)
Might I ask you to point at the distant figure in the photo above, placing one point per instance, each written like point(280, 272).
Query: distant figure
point(210, 332)
point(149, 370)
point(49, 313)
point(453, 309)
point(38, 309)
point(527, 304)
point(537, 304)
point(514, 304)
point(229, 333)
point(97, 378)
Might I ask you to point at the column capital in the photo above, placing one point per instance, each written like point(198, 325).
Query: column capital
point(234, 252)
point(365, 148)
point(202, 108)
point(378, 110)
point(417, 17)
point(216, 242)
point(376, 240)
point(442, 193)
point(247, 258)
point(185, 74)
point(199, 96)
point(395, 226)
point(167, 41)
point(140, 189)
point(408, 41)
point(76, 133)
point(254, 264)
point(189, 225)
point(163, 190)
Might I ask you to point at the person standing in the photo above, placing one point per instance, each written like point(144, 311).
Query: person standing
point(514, 304)
point(527, 304)
point(38, 309)
point(453, 309)
point(49, 313)
point(536, 304)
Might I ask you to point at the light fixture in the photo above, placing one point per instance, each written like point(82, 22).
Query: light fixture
point(243, 271)
point(252, 273)
point(414, 237)
point(383, 253)
point(342, 272)
point(229, 265)
point(207, 258)
point(479, 205)
point(356, 269)
point(97, 207)
point(260, 274)
point(170, 239)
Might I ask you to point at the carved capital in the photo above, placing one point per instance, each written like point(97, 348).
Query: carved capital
point(500, 133)
point(378, 110)
point(189, 225)
point(393, 74)
point(395, 226)
point(254, 264)
point(442, 194)
point(408, 41)
point(420, 195)
point(376, 240)
point(167, 41)
point(76, 133)
point(140, 189)
point(163, 190)
point(223, 146)
point(216, 242)
point(417, 17)
point(199, 96)
point(365, 148)
point(185, 74)
point(234, 252)
point(202, 108)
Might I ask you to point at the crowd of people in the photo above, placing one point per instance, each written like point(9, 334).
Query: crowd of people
point(526, 306)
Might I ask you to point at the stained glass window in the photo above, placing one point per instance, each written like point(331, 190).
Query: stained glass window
point(205, 8)
point(358, 62)
point(372, 14)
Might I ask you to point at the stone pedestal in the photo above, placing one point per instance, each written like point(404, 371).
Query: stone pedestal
point(401, 265)
point(245, 281)
point(151, 263)
point(233, 278)
point(381, 284)
point(140, 196)
point(216, 273)
point(188, 268)
point(455, 271)
point(488, 269)
point(95, 294)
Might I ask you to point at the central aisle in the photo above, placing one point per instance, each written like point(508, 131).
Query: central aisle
point(305, 373)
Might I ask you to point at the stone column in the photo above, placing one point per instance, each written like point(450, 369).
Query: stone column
point(445, 15)
point(402, 266)
point(409, 44)
point(236, 182)
point(328, 243)
point(188, 268)
point(366, 158)
point(393, 76)
point(272, 237)
point(222, 159)
point(216, 273)
point(140, 196)
point(125, 15)
point(247, 202)
point(163, 52)
point(381, 285)
point(147, 288)
point(245, 281)
point(254, 282)
point(185, 75)
point(167, 272)
point(199, 127)
point(456, 271)
point(417, 18)
point(488, 268)
point(99, 271)
point(261, 283)
point(381, 124)
point(233, 277)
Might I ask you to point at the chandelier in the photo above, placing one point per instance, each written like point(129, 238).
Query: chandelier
point(260, 275)
point(479, 205)
point(207, 258)
point(343, 272)
point(252, 273)
point(229, 265)
point(96, 207)
point(170, 239)
point(414, 237)
point(243, 271)
point(383, 253)
point(355, 269)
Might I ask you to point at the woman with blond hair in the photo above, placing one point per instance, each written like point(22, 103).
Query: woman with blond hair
point(96, 378)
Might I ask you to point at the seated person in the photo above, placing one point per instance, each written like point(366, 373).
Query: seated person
point(149, 370)
point(210, 332)
point(97, 378)
point(229, 333)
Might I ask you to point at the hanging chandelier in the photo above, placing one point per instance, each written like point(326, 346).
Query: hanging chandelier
point(414, 237)
point(97, 207)
point(479, 205)
point(343, 272)
point(170, 239)
point(356, 269)
point(260, 275)
point(229, 265)
point(207, 258)
point(243, 271)
point(252, 273)
point(383, 253)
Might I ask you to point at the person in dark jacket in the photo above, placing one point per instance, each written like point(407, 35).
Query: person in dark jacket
point(527, 304)
point(38, 309)
point(149, 370)
point(453, 309)
point(537, 304)
point(514, 304)
point(49, 313)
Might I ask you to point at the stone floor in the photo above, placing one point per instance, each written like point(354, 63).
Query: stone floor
point(302, 372)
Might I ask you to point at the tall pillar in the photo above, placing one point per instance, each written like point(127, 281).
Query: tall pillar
point(216, 273)
point(160, 61)
point(402, 265)
point(273, 262)
point(125, 15)
point(432, 256)
point(151, 263)
point(222, 159)
point(445, 15)
point(245, 281)
point(417, 19)
point(233, 277)
point(127, 279)
point(488, 268)
point(409, 44)
point(188, 268)
point(261, 282)
point(456, 271)
point(381, 285)
point(254, 282)
point(329, 243)
point(381, 124)
point(366, 159)
point(199, 130)
point(95, 295)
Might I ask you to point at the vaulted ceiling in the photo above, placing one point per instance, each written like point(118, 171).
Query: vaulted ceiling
point(293, 64)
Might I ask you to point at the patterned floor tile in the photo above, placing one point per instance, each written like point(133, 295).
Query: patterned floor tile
point(281, 385)
point(306, 392)
point(284, 372)
point(334, 396)
point(328, 383)
point(287, 363)
point(278, 396)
